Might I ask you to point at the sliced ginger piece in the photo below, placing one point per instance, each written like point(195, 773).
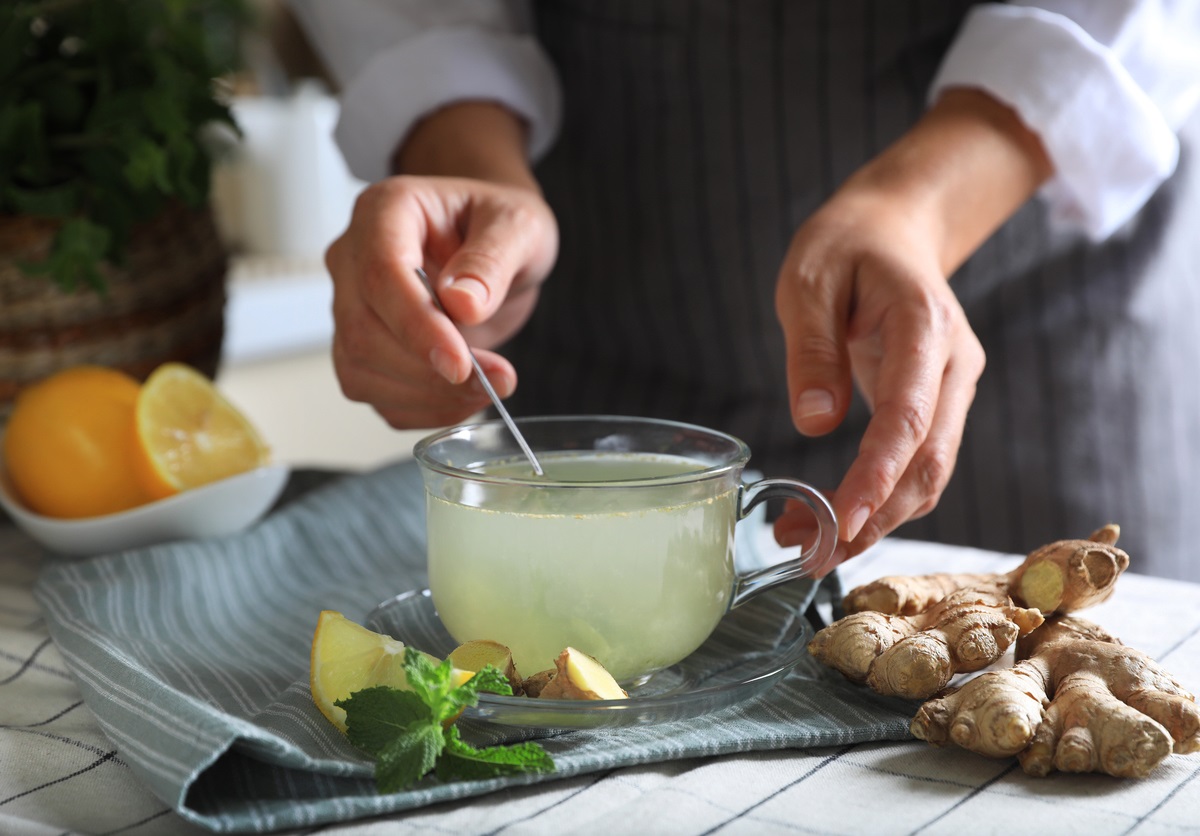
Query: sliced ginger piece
point(476, 654)
point(1076, 701)
point(578, 676)
point(1070, 575)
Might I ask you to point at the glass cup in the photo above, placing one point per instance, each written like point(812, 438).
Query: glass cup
point(624, 549)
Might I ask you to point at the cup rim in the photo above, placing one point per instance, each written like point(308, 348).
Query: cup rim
point(737, 459)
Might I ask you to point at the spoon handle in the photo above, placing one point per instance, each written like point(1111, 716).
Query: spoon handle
point(487, 386)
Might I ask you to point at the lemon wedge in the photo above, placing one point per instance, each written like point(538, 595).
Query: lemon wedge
point(347, 657)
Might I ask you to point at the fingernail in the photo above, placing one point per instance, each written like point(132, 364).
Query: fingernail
point(840, 555)
point(473, 286)
point(814, 402)
point(856, 520)
point(444, 365)
point(501, 384)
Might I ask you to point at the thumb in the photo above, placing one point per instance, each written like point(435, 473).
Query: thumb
point(496, 250)
point(820, 386)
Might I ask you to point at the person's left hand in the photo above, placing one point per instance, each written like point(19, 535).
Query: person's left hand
point(863, 298)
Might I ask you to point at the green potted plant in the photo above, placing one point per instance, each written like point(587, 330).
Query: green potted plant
point(108, 250)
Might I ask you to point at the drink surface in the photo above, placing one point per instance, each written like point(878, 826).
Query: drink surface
point(597, 467)
point(639, 587)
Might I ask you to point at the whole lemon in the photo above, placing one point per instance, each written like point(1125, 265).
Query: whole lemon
point(71, 441)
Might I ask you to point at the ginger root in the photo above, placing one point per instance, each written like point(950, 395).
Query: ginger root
point(906, 636)
point(1064, 576)
point(915, 656)
point(532, 686)
point(474, 655)
point(1077, 700)
point(578, 676)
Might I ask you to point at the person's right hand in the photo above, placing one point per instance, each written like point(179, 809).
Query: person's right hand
point(487, 247)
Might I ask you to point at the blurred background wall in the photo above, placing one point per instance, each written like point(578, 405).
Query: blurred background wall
point(281, 197)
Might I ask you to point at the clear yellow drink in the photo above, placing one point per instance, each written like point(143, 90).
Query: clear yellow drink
point(636, 575)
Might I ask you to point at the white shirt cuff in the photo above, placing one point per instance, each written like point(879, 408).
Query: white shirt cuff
point(1110, 145)
point(400, 86)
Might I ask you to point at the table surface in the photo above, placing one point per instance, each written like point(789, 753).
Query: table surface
point(60, 774)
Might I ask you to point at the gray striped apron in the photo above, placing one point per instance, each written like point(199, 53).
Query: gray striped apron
point(698, 135)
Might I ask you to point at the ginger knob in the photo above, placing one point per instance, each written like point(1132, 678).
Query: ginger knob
point(578, 676)
point(474, 655)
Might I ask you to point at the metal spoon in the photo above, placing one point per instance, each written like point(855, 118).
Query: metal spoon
point(487, 386)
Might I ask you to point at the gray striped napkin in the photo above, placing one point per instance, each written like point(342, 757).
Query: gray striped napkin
point(194, 658)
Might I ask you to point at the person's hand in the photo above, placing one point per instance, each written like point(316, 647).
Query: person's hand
point(487, 242)
point(863, 298)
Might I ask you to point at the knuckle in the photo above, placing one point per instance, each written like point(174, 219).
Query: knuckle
point(803, 280)
point(939, 313)
point(944, 312)
point(333, 257)
point(351, 346)
point(817, 349)
point(533, 214)
point(368, 199)
point(375, 280)
point(520, 214)
point(882, 475)
point(871, 533)
point(933, 469)
point(976, 357)
point(912, 417)
point(924, 508)
point(484, 262)
point(397, 419)
point(387, 189)
point(352, 387)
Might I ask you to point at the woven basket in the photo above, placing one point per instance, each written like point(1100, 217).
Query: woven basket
point(165, 302)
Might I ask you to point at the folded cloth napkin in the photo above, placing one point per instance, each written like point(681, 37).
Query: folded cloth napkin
point(194, 658)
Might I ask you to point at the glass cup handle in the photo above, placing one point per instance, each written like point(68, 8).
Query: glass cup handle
point(812, 559)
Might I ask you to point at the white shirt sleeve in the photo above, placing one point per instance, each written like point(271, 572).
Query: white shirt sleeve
point(1104, 83)
point(398, 60)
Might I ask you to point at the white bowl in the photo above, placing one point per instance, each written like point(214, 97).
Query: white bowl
point(213, 510)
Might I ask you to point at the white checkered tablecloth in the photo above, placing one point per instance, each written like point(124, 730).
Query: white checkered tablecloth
point(60, 774)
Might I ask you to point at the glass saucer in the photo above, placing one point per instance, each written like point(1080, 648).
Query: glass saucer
point(753, 647)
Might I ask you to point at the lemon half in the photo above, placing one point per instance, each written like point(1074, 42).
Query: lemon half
point(189, 434)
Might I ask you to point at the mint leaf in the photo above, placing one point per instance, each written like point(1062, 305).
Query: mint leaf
point(488, 679)
point(411, 732)
point(428, 680)
point(132, 79)
point(434, 684)
point(375, 717)
point(463, 761)
point(408, 757)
